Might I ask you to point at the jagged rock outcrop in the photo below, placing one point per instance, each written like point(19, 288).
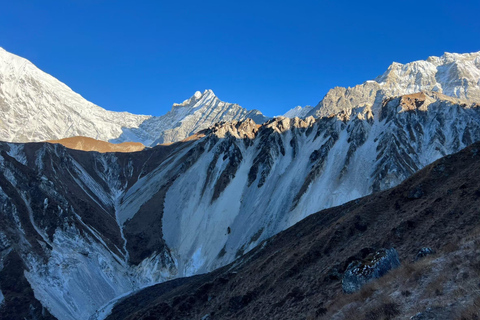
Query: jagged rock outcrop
point(423, 252)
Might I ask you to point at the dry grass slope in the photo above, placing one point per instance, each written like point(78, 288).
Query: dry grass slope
point(90, 144)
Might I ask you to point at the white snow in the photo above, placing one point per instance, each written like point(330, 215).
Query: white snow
point(38, 107)
point(16, 151)
point(199, 112)
point(80, 277)
point(298, 112)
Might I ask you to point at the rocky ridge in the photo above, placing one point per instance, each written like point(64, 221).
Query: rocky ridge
point(90, 144)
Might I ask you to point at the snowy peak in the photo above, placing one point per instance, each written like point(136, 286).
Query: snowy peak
point(196, 98)
point(454, 75)
point(199, 112)
point(298, 112)
point(36, 107)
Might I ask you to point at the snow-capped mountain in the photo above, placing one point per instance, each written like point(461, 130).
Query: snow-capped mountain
point(199, 112)
point(37, 107)
point(453, 74)
point(90, 227)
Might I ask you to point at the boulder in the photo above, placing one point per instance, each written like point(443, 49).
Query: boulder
point(374, 266)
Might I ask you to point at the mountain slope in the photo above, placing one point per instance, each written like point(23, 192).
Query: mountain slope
point(89, 227)
point(297, 273)
point(37, 107)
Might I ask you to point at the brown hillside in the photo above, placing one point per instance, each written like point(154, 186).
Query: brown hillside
point(90, 144)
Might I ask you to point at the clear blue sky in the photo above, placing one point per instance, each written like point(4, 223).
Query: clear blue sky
point(142, 56)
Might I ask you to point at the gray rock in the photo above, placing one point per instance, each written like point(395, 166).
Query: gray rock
point(423, 252)
point(374, 266)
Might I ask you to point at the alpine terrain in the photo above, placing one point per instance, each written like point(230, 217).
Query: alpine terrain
point(81, 230)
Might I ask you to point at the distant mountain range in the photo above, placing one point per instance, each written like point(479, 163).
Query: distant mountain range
point(78, 230)
point(37, 107)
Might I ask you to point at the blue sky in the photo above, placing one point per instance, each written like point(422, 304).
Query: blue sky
point(142, 56)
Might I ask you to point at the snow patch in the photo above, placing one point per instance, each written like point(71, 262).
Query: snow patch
point(17, 151)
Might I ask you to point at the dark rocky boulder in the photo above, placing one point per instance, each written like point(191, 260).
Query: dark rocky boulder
point(374, 266)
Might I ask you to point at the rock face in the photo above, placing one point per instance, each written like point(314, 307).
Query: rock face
point(374, 266)
point(37, 107)
point(454, 75)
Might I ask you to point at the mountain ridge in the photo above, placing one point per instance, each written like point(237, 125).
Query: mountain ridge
point(455, 75)
point(184, 119)
point(26, 91)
